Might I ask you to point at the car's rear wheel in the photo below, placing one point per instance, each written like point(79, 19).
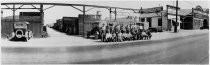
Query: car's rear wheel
point(26, 39)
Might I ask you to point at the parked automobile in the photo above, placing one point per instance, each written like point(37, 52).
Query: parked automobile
point(204, 27)
point(21, 31)
point(152, 29)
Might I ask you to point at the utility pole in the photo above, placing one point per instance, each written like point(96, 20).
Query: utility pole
point(115, 15)
point(2, 14)
point(83, 11)
point(110, 13)
point(42, 18)
point(175, 27)
point(13, 17)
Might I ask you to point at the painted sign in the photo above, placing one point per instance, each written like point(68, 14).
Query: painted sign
point(172, 7)
point(152, 10)
point(200, 14)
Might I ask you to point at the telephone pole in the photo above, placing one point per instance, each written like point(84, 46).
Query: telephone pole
point(175, 27)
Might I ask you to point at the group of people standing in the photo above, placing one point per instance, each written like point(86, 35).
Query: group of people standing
point(120, 32)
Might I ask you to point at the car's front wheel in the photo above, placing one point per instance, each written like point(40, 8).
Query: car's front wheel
point(26, 39)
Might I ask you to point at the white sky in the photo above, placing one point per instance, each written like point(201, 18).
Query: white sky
point(58, 12)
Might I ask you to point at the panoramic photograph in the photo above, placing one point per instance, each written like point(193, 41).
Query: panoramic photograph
point(104, 32)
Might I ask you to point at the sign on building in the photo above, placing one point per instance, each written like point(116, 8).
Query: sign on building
point(172, 9)
point(199, 13)
point(152, 10)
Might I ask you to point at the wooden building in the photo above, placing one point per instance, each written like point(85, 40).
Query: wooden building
point(70, 25)
point(195, 18)
point(7, 26)
point(88, 24)
point(35, 24)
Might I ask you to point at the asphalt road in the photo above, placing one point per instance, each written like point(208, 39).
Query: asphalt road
point(183, 50)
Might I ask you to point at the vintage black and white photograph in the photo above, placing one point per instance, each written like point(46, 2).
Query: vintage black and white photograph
point(104, 32)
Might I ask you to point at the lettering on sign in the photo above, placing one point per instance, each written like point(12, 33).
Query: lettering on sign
point(152, 10)
point(200, 14)
point(172, 7)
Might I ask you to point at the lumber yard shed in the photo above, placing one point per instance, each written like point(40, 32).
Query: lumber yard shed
point(35, 24)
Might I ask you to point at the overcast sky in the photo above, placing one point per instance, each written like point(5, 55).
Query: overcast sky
point(57, 12)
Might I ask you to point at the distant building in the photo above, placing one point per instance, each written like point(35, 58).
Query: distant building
point(195, 18)
point(187, 19)
point(155, 20)
point(88, 24)
point(70, 25)
point(34, 19)
point(35, 24)
point(162, 21)
point(7, 25)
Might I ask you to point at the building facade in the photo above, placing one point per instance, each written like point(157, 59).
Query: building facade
point(34, 19)
point(88, 24)
point(195, 18)
point(165, 20)
point(160, 20)
point(35, 24)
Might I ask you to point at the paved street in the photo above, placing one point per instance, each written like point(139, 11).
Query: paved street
point(61, 39)
point(192, 49)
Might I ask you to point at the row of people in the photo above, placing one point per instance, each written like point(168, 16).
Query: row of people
point(119, 33)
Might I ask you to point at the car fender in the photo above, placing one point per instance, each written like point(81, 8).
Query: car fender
point(30, 34)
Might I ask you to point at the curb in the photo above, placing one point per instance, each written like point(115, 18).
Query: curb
point(90, 47)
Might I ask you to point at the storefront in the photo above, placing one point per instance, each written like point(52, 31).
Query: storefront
point(172, 22)
point(195, 18)
point(165, 20)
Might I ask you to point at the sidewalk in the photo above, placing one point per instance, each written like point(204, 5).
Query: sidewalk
point(171, 34)
point(61, 39)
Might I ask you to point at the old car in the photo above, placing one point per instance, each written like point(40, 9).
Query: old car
point(94, 32)
point(21, 31)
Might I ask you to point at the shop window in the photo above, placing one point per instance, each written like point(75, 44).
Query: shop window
point(142, 19)
point(159, 22)
point(174, 22)
point(149, 19)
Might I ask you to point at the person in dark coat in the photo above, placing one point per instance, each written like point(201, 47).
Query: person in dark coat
point(148, 34)
point(103, 32)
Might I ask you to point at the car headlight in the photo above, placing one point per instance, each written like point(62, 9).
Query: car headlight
point(19, 33)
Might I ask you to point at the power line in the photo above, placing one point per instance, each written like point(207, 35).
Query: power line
point(190, 3)
point(194, 3)
point(173, 3)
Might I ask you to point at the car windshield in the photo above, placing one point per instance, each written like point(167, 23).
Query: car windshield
point(20, 25)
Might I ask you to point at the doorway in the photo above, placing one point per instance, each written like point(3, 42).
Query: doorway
point(205, 23)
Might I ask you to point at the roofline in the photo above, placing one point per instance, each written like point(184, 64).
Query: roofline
point(65, 4)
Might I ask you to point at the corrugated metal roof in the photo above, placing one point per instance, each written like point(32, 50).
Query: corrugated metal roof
point(150, 15)
point(11, 17)
point(182, 12)
point(185, 11)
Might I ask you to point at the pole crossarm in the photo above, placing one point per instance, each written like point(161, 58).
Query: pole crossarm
point(77, 8)
point(65, 4)
point(134, 11)
point(115, 11)
point(49, 7)
point(89, 9)
point(35, 7)
point(110, 10)
point(9, 7)
point(21, 6)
